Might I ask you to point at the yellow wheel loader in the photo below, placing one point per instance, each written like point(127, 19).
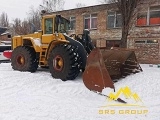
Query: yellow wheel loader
point(67, 55)
point(49, 47)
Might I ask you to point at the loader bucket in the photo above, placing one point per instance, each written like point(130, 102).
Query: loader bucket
point(105, 66)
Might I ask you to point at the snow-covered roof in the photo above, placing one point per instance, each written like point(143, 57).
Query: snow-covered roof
point(5, 33)
point(2, 30)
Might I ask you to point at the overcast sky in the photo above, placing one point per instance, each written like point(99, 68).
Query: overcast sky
point(19, 8)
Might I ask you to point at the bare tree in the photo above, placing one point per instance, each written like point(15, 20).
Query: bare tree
point(52, 5)
point(29, 25)
point(34, 18)
point(4, 21)
point(127, 9)
point(17, 26)
point(104, 1)
point(20, 27)
point(79, 5)
point(32, 22)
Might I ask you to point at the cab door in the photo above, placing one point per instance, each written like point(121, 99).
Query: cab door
point(48, 29)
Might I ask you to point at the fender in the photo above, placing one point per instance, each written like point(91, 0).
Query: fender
point(52, 44)
point(35, 42)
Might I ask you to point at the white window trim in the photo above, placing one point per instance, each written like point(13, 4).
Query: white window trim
point(115, 18)
point(90, 18)
point(148, 17)
point(145, 41)
point(71, 19)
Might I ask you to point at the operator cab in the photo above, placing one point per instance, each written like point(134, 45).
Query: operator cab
point(55, 24)
point(61, 24)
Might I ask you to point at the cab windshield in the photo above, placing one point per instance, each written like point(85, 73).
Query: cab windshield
point(62, 25)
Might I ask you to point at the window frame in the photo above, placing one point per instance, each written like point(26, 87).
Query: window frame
point(112, 43)
point(71, 19)
point(148, 17)
point(90, 17)
point(48, 26)
point(146, 41)
point(116, 13)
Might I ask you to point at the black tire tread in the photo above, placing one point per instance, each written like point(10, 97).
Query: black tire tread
point(72, 68)
point(30, 56)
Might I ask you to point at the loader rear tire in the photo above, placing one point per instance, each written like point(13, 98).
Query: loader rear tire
point(64, 62)
point(24, 59)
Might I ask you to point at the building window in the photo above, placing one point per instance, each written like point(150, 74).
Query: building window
point(90, 21)
point(72, 23)
point(154, 15)
point(114, 20)
point(142, 18)
point(151, 17)
point(113, 43)
point(146, 41)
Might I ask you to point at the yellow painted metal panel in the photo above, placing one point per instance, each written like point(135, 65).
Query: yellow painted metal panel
point(17, 41)
point(47, 38)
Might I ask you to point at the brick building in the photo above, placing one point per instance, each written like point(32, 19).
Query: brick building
point(4, 34)
point(104, 23)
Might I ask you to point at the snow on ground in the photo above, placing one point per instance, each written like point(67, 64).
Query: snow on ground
point(37, 96)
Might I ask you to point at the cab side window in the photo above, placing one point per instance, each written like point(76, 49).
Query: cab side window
point(49, 26)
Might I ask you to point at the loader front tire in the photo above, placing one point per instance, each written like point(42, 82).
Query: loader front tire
point(24, 59)
point(64, 62)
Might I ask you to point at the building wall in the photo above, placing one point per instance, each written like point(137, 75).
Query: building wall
point(102, 32)
point(5, 37)
point(146, 53)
